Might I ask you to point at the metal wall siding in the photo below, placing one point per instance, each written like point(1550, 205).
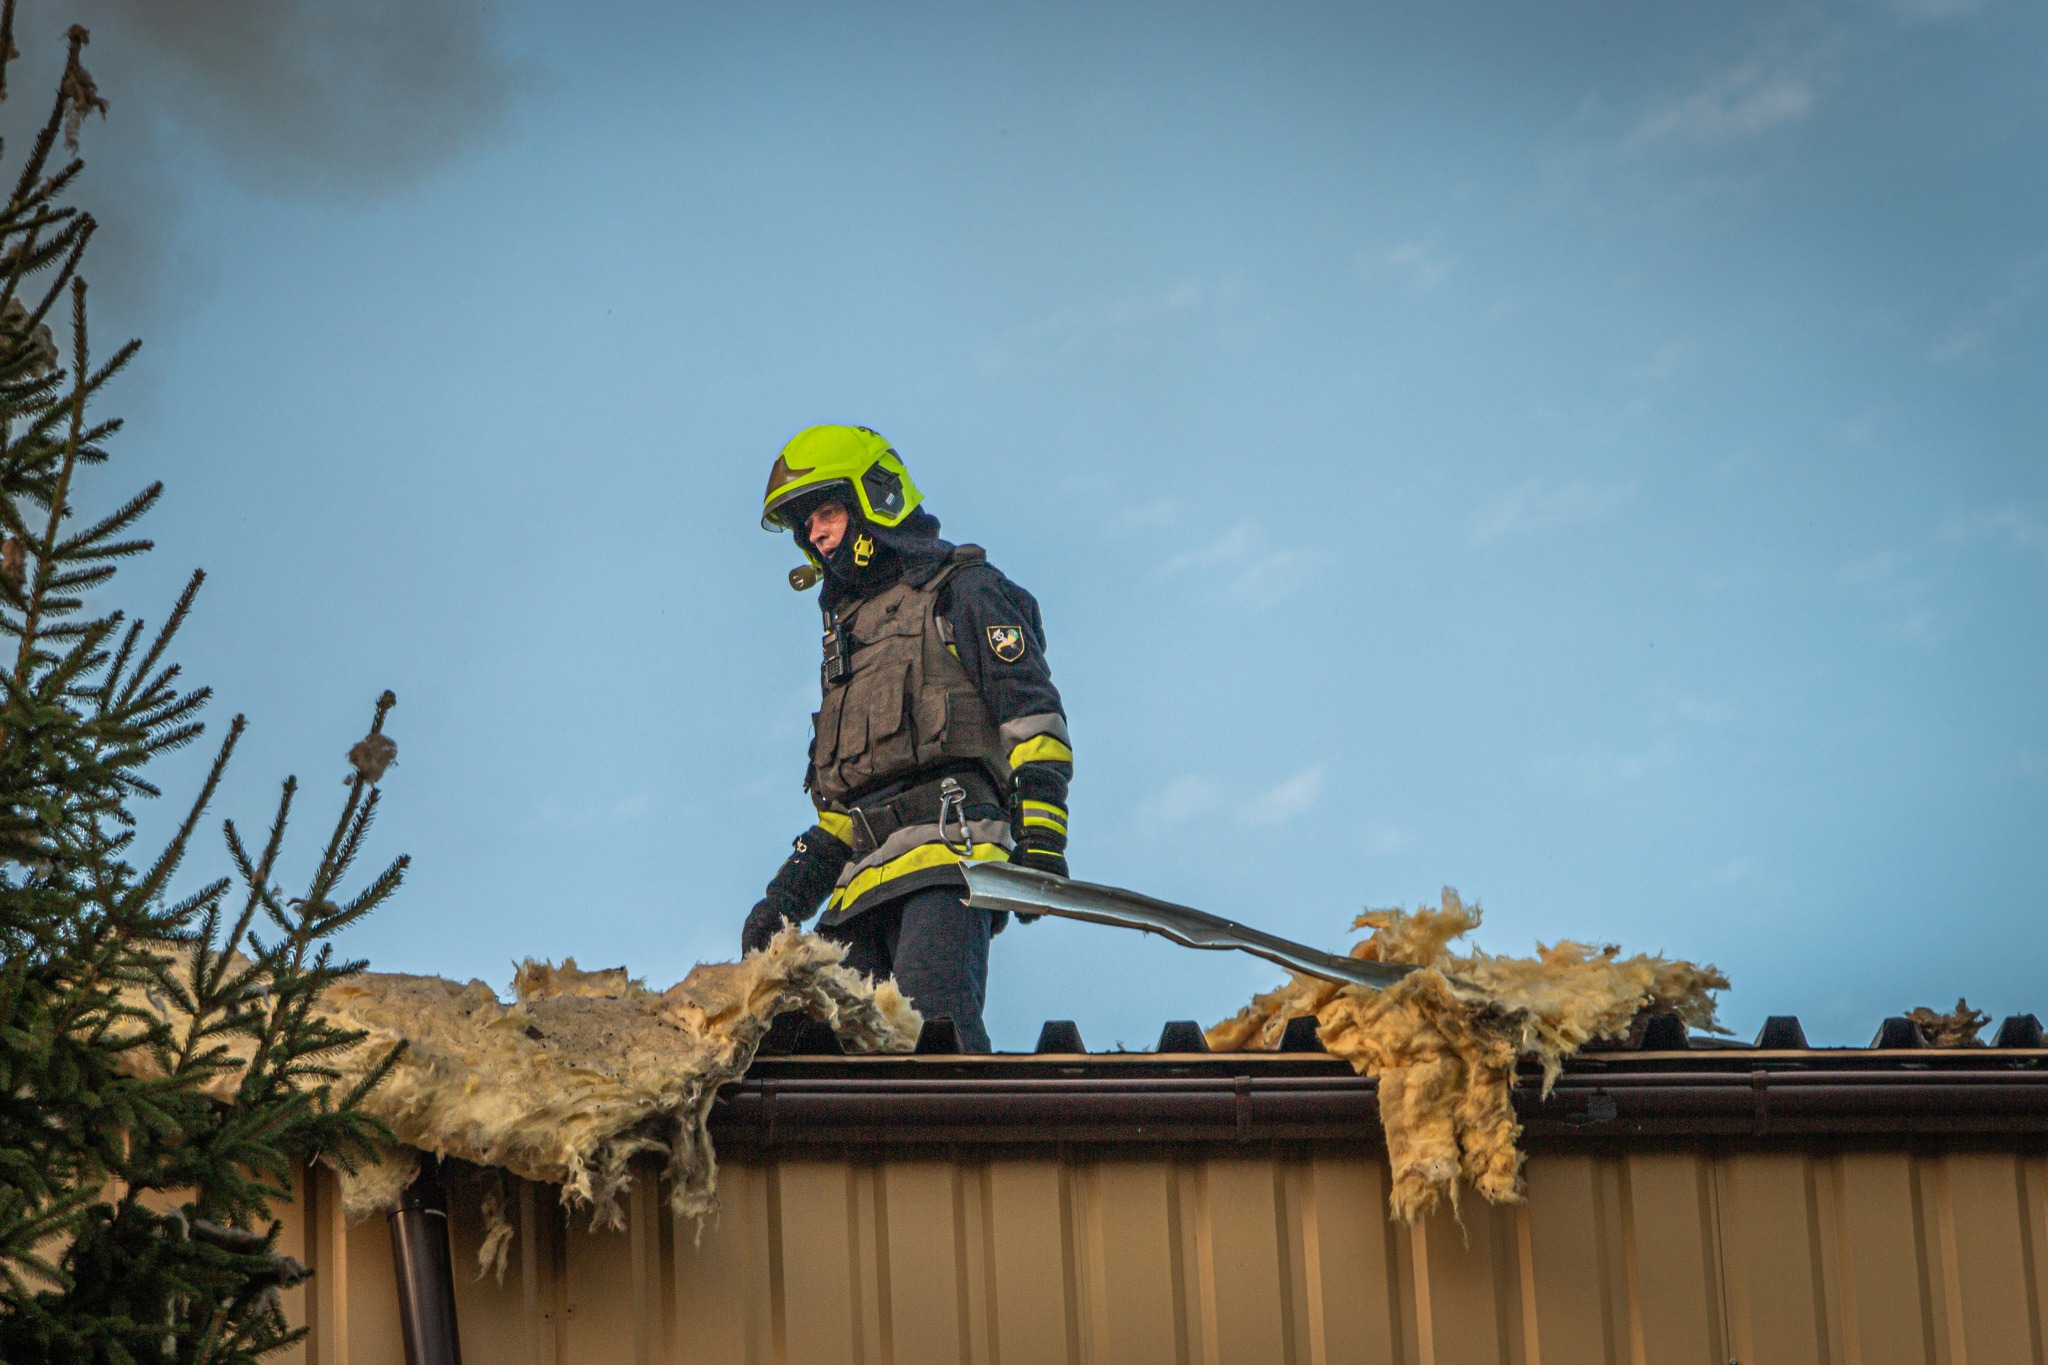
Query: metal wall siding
point(1279, 1253)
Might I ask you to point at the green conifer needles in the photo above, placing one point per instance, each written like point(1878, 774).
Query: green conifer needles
point(162, 1070)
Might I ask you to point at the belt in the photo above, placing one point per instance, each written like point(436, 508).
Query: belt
point(925, 804)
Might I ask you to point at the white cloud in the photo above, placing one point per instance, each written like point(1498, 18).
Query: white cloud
point(1748, 99)
point(1534, 506)
point(1383, 841)
point(1180, 801)
point(1888, 581)
point(1963, 340)
point(762, 784)
point(1294, 797)
point(1159, 514)
point(1130, 323)
point(1861, 430)
point(1729, 873)
point(1257, 574)
point(1661, 365)
point(1197, 796)
point(1971, 335)
point(1267, 578)
point(1931, 11)
point(2011, 526)
point(1700, 710)
point(1602, 770)
point(1907, 587)
point(1422, 266)
point(581, 813)
point(1232, 547)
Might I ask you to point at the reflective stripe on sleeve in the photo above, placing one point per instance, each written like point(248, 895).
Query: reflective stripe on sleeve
point(1040, 749)
point(1015, 732)
point(1045, 815)
point(838, 824)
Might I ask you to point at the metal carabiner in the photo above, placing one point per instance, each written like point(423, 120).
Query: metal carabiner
point(953, 798)
point(868, 830)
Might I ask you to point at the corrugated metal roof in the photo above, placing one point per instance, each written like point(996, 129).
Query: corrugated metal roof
point(1702, 1204)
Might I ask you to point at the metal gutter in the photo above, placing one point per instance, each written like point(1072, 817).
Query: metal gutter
point(1250, 1098)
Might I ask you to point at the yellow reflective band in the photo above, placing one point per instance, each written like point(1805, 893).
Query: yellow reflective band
point(837, 824)
point(917, 860)
point(1045, 815)
point(1040, 749)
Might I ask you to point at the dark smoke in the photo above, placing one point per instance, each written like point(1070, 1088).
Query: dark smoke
point(328, 99)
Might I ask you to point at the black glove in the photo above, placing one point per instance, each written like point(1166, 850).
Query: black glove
point(1042, 854)
point(764, 922)
point(804, 879)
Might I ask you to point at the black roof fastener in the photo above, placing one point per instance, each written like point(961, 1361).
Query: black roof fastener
point(939, 1037)
point(1060, 1035)
point(1898, 1032)
point(1301, 1035)
point(1182, 1035)
point(2019, 1030)
point(816, 1039)
point(1665, 1033)
point(1782, 1033)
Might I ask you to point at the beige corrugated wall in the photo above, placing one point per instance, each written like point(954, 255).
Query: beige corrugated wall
point(1280, 1254)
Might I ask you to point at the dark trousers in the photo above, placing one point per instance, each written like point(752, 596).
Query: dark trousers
point(935, 947)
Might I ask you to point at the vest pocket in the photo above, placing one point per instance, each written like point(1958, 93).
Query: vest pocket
point(970, 732)
point(931, 722)
point(894, 749)
point(825, 730)
point(874, 708)
point(886, 617)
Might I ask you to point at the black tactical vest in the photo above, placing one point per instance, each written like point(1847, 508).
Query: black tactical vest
point(905, 703)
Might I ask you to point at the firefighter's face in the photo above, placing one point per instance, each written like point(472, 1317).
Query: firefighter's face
point(826, 528)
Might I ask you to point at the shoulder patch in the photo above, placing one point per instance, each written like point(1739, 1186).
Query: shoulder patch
point(1006, 643)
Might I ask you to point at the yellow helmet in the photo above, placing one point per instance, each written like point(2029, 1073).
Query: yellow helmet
point(857, 457)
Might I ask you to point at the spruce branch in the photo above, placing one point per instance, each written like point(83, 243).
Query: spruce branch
point(150, 1040)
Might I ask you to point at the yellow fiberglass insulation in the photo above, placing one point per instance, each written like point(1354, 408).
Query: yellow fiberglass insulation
point(1445, 1040)
point(584, 1071)
point(1957, 1028)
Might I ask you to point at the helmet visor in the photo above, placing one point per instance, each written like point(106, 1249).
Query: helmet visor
point(791, 508)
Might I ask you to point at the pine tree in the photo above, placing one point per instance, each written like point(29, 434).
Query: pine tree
point(162, 1067)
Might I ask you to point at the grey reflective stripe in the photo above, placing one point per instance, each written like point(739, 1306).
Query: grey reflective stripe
point(1015, 732)
point(917, 836)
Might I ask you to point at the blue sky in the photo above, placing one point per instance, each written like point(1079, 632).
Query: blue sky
point(1589, 457)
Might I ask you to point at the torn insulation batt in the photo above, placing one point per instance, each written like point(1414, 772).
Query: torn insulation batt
point(1444, 1041)
point(584, 1071)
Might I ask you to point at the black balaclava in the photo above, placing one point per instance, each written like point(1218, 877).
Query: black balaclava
point(912, 547)
point(862, 564)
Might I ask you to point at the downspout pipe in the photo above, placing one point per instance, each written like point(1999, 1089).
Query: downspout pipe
point(425, 1269)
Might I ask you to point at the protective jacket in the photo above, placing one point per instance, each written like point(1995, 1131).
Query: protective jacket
point(939, 736)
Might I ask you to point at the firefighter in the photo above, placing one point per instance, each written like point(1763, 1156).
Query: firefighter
point(939, 736)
